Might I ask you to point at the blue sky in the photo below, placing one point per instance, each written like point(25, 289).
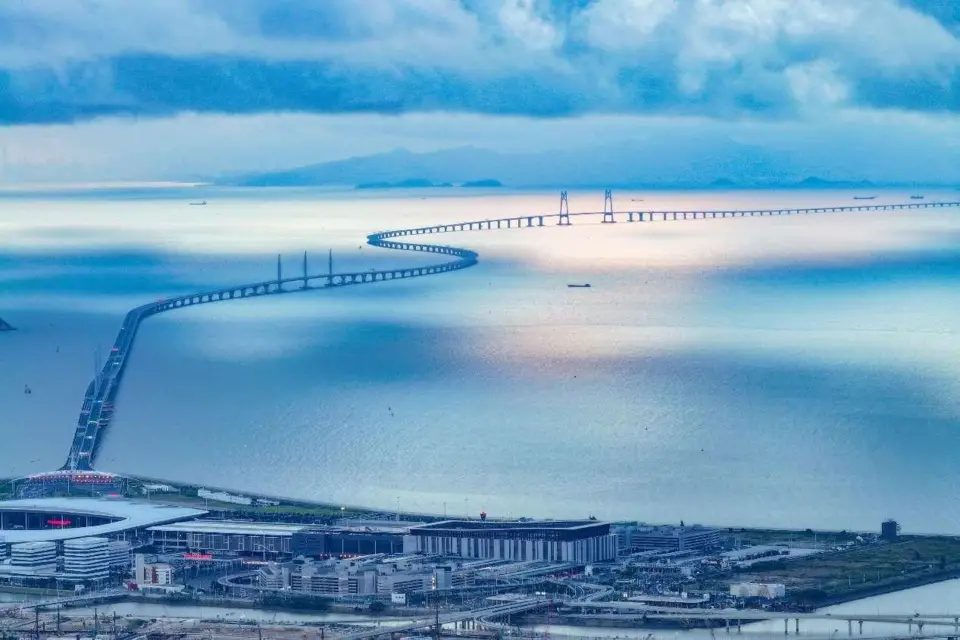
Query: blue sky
point(225, 85)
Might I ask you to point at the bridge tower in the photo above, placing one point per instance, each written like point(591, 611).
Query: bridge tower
point(564, 210)
point(279, 270)
point(608, 206)
point(305, 284)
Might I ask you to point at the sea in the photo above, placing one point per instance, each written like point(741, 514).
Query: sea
point(786, 371)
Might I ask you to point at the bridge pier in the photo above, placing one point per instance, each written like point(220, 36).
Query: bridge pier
point(860, 622)
point(796, 628)
point(539, 221)
point(849, 627)
point(786, 626)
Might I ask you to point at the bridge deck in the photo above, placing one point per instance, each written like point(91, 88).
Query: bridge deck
point(97, 409)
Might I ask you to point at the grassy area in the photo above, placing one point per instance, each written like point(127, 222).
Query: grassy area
point(910, 560)
point(806, 538)
point(299, 509)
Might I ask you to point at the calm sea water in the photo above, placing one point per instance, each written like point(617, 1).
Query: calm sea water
point(797, 371)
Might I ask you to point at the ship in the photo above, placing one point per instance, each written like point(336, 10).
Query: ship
point(4, 326)
point(586, 285)
point(916, 197)
point(864, 197)
point(198, 204)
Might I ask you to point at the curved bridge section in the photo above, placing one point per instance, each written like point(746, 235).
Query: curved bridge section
point(98, 403)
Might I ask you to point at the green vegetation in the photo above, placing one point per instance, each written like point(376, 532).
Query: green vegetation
point(806, 538)
point(840, 575)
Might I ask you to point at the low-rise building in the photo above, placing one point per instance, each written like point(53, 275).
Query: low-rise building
point(575, 542)
point(640, 537)
point(86, 559)
point(33, 558)
point(765, 591)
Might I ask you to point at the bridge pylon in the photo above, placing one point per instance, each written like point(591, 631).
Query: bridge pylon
point(305, 283)
point(564, 210)
point(608, 206)
point(279, 270)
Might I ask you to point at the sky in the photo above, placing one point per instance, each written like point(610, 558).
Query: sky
point(176, 89)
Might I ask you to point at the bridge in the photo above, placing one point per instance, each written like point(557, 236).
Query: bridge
point(18, 608)
point(98, 403)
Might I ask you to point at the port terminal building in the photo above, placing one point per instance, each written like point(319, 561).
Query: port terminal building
point(576, 542)
point(634, 537)
point(75, 540)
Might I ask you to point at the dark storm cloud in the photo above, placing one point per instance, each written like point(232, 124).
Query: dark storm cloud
point(73, 60)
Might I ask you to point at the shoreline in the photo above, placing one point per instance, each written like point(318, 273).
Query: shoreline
point(693, 622)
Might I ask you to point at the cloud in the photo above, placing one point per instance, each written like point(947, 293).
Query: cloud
point(69, 60)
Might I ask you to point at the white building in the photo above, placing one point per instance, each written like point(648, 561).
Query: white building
point(151, 574)
point(273, 576)
point(34, 558)
point(86, 558)
point(120, 552)
point(770, 591)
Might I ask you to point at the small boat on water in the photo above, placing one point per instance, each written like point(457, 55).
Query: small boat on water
point(864, 197)
point(916, 197)
point(198, 204)
point(579, 286)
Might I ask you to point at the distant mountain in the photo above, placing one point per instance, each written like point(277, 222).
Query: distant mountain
point(819, 183)
point(482, 183)
point(388, 170)
point(410, 183)
point(709, 160)
point(723, 182)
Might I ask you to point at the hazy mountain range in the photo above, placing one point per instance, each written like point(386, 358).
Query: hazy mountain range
point(666, 163)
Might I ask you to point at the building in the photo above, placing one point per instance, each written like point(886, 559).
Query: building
point(120, 552)
point(151, 574)
point(889, 530)
point(577, 542)
point(86, 559)
point(347, 541)
point(273, 576)
point(758, 590)
point(59, 519)
point(633, 538)
point(265, 540)
point(33, 558)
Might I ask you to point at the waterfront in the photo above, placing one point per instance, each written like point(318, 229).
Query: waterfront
point(937, 598)
point(713, 347)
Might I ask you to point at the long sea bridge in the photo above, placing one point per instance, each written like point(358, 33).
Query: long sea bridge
point(101, 394)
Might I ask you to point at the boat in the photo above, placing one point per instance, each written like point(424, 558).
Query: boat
point(864, 197)
point(586, 285)
point(198, 204)
point(916, 197)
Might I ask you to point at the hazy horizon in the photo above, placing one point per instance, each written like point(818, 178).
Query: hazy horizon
point(173, 89)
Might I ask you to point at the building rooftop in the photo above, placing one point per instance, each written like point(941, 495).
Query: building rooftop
point(27, 547)
point(229, 526)
point(513, 525)
point(85, 543)
point(128, 514)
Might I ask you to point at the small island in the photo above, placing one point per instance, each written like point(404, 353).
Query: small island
point(410, 183)
point(423, 183)
point(482, 183)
